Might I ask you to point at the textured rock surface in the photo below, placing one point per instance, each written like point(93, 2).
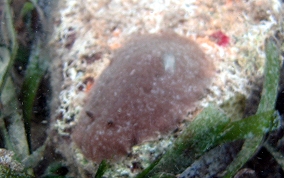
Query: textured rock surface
point(150, 85)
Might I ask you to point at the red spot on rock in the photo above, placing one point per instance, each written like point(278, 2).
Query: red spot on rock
point(220, 38)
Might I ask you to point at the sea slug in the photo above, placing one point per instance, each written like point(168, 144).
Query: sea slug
point(148, 88)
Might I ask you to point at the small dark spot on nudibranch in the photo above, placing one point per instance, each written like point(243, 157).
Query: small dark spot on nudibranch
point(134, 140)
point(90, 114)
point(147, 89)
point(110, 123)
point(152, 83)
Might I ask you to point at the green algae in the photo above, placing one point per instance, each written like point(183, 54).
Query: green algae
point(267, 104)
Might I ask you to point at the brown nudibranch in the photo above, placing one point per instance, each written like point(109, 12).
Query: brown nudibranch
point(148, 88)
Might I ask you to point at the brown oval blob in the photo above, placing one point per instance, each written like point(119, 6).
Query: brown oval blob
point(148, 88)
